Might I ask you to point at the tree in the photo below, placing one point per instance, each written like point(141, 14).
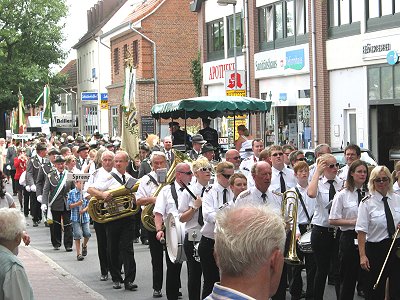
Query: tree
point(196, 73)
point(30, 42)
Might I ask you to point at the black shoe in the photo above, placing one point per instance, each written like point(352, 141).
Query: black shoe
point(56, 248)
point(68, 249)
point(84, 251)
point(116, 285)
point(80, 257)
point(157, 294)
point(104, 277)
point(145, 242)
point(35, 224)
point(136, 241)
point(361, 293)
point(46, 224)
point(131, 286)
point(180, 295)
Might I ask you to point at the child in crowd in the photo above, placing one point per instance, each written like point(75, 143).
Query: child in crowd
point(79, 218)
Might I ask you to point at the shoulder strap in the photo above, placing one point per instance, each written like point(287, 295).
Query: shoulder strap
point(60, 186)
point(174, 194)
point(303, 205)
point(116, 177)
point(153, 180)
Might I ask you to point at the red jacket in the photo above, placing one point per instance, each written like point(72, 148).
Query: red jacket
point(20, 166)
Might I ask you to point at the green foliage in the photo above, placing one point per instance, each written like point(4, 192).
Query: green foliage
point(30, 42)
point(196, 74)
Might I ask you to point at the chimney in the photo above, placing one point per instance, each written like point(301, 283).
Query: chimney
point(89, 20)
point(96, 14)
point(101, 9)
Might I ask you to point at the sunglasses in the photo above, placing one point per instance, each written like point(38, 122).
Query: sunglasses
point(334, 166)
point(380, 180)
point(227, 176)
point(186, 173)
point(209, 169)
point(278, 154)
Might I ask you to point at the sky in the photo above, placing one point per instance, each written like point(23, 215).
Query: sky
point(76, 25)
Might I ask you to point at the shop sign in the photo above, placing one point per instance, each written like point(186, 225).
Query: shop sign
point(235, 85)
point(89, 96)
point(64, 120)
point(392, 57)
point(378, 48)
point(287, 61)
point(214, 71)
point(103, 104)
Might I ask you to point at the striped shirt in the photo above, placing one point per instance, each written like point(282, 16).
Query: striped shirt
point(74, 196)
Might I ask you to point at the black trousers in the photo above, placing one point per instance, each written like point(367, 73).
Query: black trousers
point(208, 265)
point(36, 212)
point(325, 246)
point(296, 285)
point(102, 252)
point(194, 271)
point(26, 201)
point(173, 282)
point(13, 181)
point(376, 253)
point(156, 252)
point(349, 260)
point(120, 242)
point(55, 228)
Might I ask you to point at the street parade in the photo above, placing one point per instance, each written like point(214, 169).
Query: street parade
point(222, 149)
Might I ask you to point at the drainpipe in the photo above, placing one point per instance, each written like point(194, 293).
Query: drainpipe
point(314, 73)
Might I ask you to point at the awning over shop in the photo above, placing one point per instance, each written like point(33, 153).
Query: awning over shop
point(209, 106)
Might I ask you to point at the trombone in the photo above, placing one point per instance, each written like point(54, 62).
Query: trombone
point(289, 208)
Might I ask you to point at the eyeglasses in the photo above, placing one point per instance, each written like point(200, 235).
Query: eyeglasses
point(236, 157)
point(301, 159)
point(186, 173)
point(380, 180)
point(227, 176)
point(278, 154)
point(334, 166)
point(209, 169)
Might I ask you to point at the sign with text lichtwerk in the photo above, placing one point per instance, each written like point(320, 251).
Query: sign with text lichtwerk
point(235, 85)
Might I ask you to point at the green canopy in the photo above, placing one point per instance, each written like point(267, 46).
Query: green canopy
point(209, 106)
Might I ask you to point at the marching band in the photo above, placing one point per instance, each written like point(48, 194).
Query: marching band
point(346, 221)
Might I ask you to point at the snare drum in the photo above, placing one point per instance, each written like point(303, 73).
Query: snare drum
point(174, 238)
point(305, 242)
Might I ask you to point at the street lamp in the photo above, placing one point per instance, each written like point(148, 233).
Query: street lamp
point(233, 2)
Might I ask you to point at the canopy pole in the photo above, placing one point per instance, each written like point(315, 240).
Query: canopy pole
point(185, 136)
point(234, 129)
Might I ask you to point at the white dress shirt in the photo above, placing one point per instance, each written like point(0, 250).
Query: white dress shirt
point(165, 203)
point(253, 195)
point(212, 203)
point(186, 201)
point(146, 186)
point(309, 204)
point(372, 218)
point(321, 214)
point(345, 206)
point(288, 176)
point(342, 173)
point(396, 188)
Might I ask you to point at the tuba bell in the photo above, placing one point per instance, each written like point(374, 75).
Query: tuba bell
point(147, 212)
point(290, 202)
point(122, 205)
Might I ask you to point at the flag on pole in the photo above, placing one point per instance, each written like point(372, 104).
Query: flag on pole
point(130, 125)
point(14, 121)
point(38, 98)
point(21, 113)
point(46, 103)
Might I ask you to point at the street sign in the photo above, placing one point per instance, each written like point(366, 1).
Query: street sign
point(24, 136)
point(103, 104)
point(78, 177)
point(235, 84)
point(223, 140)
point(87, 96)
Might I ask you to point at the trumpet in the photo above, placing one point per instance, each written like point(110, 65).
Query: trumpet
point(289, 207)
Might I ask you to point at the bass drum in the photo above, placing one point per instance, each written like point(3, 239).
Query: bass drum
point(305, 242)
point(174, 238)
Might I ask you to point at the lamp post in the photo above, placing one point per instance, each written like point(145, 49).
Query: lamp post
point(233, 2)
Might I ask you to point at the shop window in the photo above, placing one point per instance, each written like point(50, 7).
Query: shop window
point(382, 14)
point(282, 24)
point(239, 35)
point(215, 40)
point(397, 81)
point(374, 92)
point(384, 84)
point(387, 82)
point(344, 18)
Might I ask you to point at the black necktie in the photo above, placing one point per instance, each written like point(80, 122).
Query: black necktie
point(283, 185)
point(360, 195)
point(123, 178)
point(332, 190)
point(389, 218)
point(224, 199)
point(200, 217)
point(61, 174)
point(168, 155)
point(264, 197)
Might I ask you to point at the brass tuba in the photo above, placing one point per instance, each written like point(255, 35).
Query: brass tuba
point(147, 212)
point(289, 206)
point(122, 205)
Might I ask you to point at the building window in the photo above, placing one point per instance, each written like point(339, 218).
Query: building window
point(284, 21)
point(116, 61)
point(114, 121)
point(239, 35)
point(135, 55)
point(344, 17)
point(382, 14)
point(384, 84)
point(215, 39)
point(126, 54)
point(304, 93)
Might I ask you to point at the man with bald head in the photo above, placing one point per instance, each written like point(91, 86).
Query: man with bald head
point(233, 156)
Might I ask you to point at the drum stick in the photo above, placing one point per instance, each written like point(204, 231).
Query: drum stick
point(190, 192)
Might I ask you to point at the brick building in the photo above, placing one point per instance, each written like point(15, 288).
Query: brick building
point(172, 28)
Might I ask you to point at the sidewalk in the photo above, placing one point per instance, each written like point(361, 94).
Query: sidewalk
point(49, 280)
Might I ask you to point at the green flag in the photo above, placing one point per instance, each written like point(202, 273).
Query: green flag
point(46, 103)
